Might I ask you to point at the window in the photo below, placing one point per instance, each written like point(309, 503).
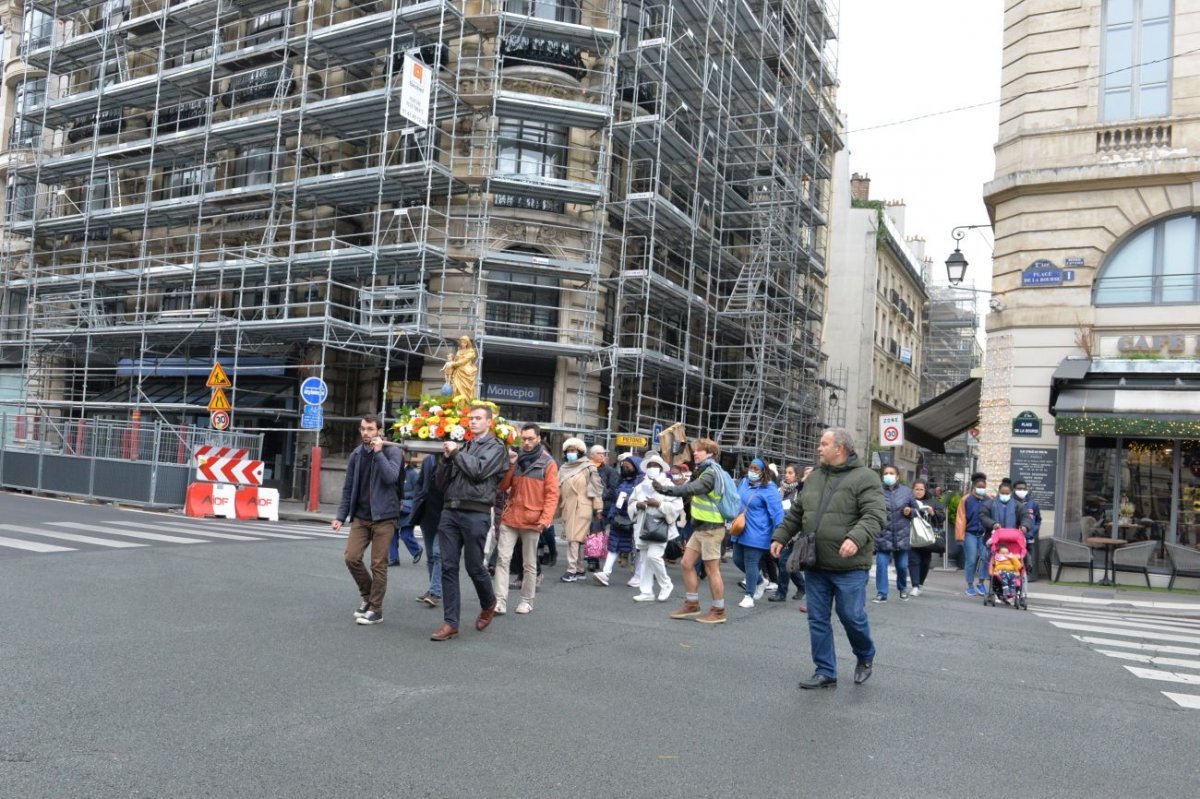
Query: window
point(189, 181)
point(522, 306)
point(25, 130)
point(1136, 66)
point(22, 195)
point(267, 27)
point(38, 30)
point(532, 148)
point(97, 193)
point(255, 167)
point(1158, 265)
point(561, 10)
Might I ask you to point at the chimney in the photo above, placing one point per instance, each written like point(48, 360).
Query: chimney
point(860, 187)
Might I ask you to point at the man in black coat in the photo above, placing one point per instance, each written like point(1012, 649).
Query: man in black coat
point(426, 513)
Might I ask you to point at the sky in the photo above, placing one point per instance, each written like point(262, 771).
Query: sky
point(899, 60)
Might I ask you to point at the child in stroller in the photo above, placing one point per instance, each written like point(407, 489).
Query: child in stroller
point(1006, 566)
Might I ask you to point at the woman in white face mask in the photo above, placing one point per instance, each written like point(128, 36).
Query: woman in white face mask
point(920, 558)
point(655, 516)
point(892, 543)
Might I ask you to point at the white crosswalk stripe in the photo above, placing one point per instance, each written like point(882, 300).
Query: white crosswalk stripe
point(140, 529)
point(1126, 636)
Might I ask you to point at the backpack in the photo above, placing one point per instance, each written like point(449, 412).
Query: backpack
point(729, 501)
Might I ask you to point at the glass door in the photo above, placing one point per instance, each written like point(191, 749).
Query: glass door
point(1189, 493)
point(1147, 478)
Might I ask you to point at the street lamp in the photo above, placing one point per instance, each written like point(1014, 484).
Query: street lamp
point(956, 264)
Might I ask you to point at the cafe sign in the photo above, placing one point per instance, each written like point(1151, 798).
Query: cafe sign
point(1027, 424)
point(1177, 343)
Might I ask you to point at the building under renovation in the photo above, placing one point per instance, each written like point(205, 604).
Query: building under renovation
point(623, 204)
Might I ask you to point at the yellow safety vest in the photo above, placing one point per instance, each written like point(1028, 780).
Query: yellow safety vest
point(705, 508)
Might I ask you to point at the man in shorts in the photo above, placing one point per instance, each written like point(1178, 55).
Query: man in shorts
point(705, 542)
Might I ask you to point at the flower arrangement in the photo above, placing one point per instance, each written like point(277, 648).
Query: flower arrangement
point(444, 418)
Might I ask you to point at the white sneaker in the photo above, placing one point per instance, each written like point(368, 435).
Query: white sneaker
point(747, 602)
point(501, 608)
point(758, 592)
point(600, 577)
point(633, 583)
point(916, 591)
point(664, 593)
point(643, 598)
point(772, 587)
point(524, 608)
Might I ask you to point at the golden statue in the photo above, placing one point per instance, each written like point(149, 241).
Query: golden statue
point(461, 370)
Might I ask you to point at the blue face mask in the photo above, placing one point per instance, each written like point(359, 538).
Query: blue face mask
point(980, 491)
point(889, 479)
point(753, 477)
point(572, 457)
point(1005, 497)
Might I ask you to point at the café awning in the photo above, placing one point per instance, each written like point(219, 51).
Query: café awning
point(1107, 397)
point(947, 415)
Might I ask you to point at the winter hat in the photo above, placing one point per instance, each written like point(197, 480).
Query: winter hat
point(654, 459)
point(575, 443)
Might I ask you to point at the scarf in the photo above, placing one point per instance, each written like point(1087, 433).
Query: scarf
point(527, 459)
point(569, 469)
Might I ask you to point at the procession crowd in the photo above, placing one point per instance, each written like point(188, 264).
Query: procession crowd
point(818, 529)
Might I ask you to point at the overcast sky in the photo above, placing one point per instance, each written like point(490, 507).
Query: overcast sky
point(898, 60)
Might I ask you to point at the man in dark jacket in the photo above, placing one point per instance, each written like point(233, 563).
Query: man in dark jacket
point(971, 530)
point(427, 513)
point(468, 474)
point(1021, 491)
point(406, 522)
point(371, 503)
point(842, 503)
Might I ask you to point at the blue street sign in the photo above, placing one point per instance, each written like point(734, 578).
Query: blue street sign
point(313, 390)
point(654, 437)
point(313, 417)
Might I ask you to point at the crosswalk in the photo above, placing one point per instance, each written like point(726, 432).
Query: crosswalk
point(140, 530)
point(1163, 649)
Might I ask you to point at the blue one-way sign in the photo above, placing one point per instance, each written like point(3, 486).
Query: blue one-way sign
point(313, 390)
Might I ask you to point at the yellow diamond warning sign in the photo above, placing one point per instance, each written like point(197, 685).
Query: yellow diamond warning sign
point(217, 377)
point(219, 401)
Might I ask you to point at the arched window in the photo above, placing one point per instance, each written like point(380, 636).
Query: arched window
point(1157, 266)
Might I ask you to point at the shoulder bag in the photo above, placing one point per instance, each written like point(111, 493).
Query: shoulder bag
point(654, 529)
point(920, 531)
point(804, 548)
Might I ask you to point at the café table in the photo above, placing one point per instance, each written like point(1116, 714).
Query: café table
point(1108, 545)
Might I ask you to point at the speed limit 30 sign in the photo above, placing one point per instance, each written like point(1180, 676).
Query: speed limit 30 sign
point(891, 430)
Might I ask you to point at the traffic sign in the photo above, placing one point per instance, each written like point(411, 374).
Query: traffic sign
point(219, 420)
point(231, 470)
point(217, 377)
point(891, 430)
point(655, 432)
point(313, 418)
point(219, 402)
point(631, 441)
point(314, 391)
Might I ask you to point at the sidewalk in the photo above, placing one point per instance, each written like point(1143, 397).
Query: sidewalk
point(1043, 592)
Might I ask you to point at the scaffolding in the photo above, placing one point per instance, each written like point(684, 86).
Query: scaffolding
point(633, 196)
point(723, 140)
point(951, 352)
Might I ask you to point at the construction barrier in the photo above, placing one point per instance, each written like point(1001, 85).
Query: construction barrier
point(257, 503)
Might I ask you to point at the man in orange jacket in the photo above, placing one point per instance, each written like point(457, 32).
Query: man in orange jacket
point(532, 486)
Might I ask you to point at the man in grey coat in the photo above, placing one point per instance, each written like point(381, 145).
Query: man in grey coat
point(371, 503)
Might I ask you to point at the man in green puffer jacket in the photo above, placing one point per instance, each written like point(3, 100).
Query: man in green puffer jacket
point(854, 513)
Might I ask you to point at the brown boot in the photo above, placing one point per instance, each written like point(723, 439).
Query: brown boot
point(715, 615)
point(687, 610)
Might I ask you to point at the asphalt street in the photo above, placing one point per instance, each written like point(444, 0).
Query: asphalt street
point(234, 669)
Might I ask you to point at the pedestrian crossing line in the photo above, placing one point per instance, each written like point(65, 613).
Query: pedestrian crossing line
point(199, 529)
point(32, 546)
point(209, 533)
point(1156, 636)
point(254, 528)
point(1178, 621)
point(1152, 660)
point(1118, 622)
point(75, 537)
point(168, 539)
point(1164, 648)
point(1184, 700)
point(1164, 676)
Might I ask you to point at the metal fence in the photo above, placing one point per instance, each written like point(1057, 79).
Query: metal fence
point(143, 463)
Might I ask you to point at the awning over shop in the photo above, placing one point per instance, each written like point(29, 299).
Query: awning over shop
point(192, 395)
point(1112, 397)
point(947, 415)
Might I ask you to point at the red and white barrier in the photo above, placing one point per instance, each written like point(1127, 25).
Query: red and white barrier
point(231, 470)
point(224, 501)
point(257, 503)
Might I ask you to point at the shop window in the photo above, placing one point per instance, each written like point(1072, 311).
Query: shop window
point(1158, 265)
point(532, 148)
point(1136, 59)
point(522, 306)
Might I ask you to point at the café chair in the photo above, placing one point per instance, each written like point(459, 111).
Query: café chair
point(1185, 562)
point(1135, 558)
point(1071, 553)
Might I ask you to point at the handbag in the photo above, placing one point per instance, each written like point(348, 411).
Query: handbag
point(804, 548)
point(920, 532)
point(654, 529)
point(596, 544)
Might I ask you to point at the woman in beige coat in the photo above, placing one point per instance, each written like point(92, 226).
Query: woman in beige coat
point(580, 500)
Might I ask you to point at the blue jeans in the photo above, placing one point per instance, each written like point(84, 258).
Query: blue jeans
point(974, 559)
point(849, 590)
point(403, 533)
point(433, 563)
point(747, 559)
point(882, 559)
point(797, 578)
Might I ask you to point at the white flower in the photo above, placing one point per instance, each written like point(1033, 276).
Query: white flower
point(435, 409)
point(406, 430)
point(457, 433)
point(502, 431)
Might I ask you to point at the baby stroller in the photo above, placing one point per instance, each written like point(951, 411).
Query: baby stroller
point(1015, 541)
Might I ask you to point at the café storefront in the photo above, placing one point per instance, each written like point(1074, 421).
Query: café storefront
point(1129, 441)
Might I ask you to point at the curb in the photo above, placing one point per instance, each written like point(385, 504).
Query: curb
point(1188, 608)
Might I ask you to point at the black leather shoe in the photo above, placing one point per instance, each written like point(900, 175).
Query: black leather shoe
point(819, 681)
point(862, 673)
point(417, 557)
point(777, 598)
